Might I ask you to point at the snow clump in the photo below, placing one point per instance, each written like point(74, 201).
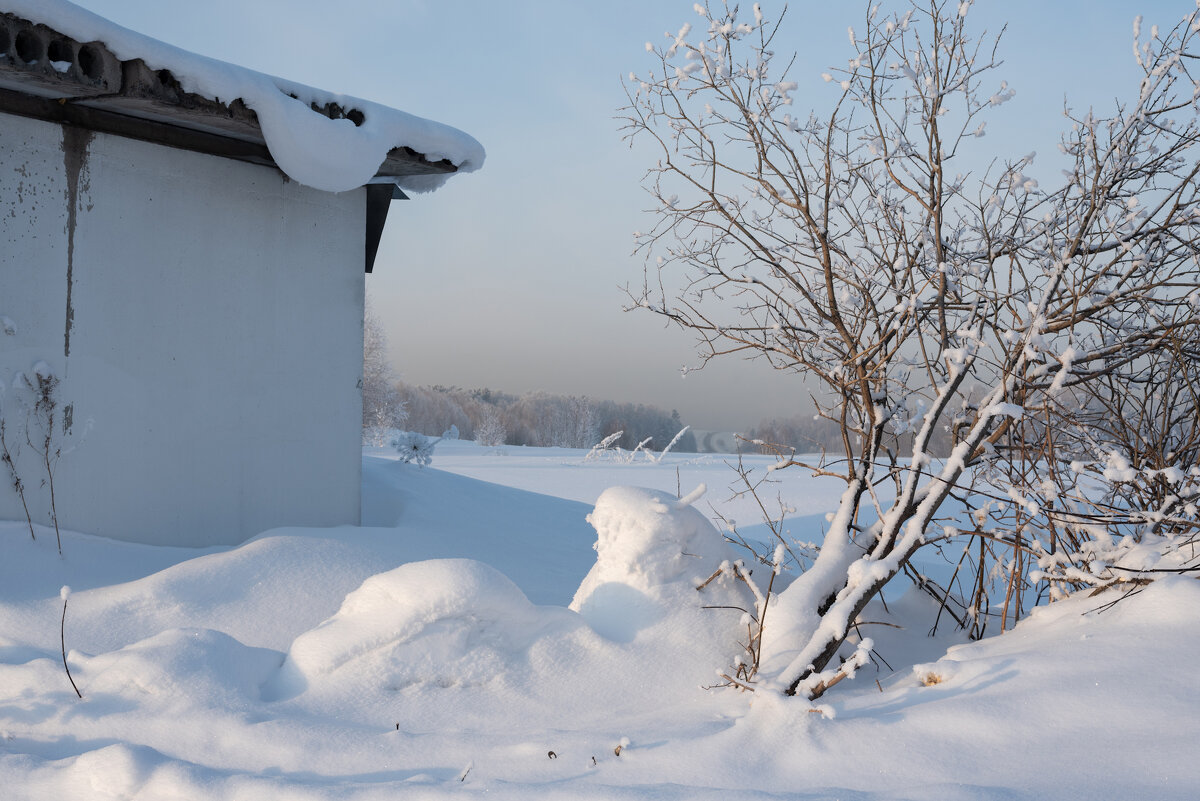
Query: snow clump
point(650, 540)
point(653, 551)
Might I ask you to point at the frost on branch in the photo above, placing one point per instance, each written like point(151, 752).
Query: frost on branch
point(1033, 324)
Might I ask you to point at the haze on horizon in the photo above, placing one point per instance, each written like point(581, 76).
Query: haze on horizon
point(510, 278)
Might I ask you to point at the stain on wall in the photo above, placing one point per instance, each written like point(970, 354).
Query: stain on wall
point(75, 142)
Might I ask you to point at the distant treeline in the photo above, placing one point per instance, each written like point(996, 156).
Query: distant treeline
point(538, 419)
point(542, 419)
point(814, 435)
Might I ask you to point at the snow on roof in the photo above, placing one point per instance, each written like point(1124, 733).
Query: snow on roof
point(334, 155)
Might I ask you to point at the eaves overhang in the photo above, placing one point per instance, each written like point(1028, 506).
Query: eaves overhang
point(49, 76)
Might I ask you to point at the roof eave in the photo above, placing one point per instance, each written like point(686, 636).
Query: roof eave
point(48, 75)
point(52, 77)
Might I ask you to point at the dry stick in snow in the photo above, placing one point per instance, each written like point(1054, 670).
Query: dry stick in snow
point(18, 485)
point(43, 386)
point(65, 592)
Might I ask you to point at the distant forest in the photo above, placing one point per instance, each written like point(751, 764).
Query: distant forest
point(538, 418)
point(542, 419)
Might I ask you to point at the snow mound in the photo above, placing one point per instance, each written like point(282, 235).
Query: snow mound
point(181, 665)
point(443, 622)
point(650, 541)
point(459, 635)
point(652, 552)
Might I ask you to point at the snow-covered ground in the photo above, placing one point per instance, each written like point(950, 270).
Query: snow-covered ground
point(468, 640)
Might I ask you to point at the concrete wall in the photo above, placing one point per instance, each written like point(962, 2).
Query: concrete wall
point(205, 316)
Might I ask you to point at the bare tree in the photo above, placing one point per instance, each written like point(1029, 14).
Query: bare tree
point(859, 248)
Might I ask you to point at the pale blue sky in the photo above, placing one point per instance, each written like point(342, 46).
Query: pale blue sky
point(509, 277)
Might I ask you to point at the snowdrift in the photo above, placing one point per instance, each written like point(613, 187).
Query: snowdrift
point(321, 664)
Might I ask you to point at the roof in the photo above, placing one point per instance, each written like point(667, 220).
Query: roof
point(64, 63)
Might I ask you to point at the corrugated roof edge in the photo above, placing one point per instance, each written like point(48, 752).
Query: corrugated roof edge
point(322, 139)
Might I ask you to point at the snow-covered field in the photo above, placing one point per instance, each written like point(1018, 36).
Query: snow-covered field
point(469, 641)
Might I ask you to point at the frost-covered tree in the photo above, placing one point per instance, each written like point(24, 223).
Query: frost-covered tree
point(490, 430)
point(383, 409)
point(865, 247)
point(431, 409)
point(545, 420)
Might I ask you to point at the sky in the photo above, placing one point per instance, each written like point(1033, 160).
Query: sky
point(511, 278)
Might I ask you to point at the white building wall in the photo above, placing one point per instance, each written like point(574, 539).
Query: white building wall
point(205, 316)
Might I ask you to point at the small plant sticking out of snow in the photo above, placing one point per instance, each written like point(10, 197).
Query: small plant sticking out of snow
point(745, 668)
point(604, 446)
point(40, 431)
point(8, 457)
point(45, 426)
point(608, 448)
point(670, 445)
point(65, 593)
point(415, 448)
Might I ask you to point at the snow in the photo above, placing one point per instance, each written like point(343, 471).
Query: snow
point(1005, 410)
point(468, 641)
point(647, 539)
point(331, 155)
point(444, 621)
point(652, 552)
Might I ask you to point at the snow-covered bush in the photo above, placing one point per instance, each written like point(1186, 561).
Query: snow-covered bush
point(1104, 487)
point(414, 448)
point(920, 297)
